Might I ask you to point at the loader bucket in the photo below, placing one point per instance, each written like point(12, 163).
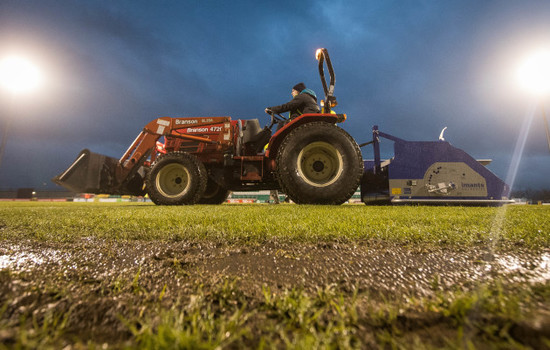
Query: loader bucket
point(90, 173)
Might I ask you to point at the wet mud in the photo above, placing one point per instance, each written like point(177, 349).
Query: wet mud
point(99, 282)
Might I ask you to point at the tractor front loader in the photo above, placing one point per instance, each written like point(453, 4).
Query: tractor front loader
point(309, 158)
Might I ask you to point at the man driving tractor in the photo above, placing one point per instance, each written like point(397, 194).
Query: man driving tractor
point(303, 101)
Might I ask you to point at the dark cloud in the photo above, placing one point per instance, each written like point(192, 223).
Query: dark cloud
point(410, 67)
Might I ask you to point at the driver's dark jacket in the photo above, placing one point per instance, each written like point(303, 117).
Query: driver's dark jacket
point(304, 102)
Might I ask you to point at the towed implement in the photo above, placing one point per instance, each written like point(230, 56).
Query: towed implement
point(309, 158)
point(429, 172)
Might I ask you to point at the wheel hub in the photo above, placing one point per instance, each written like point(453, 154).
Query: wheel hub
point(320, 164)
point(173, 180)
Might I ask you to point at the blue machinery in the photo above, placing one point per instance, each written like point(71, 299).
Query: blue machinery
point(429, 172)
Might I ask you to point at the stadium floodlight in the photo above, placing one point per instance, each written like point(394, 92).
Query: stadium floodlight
point(19, 75)
point(533, 75)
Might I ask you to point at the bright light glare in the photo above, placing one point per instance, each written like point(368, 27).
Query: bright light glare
point(318, 54)
point(534, 73)
point(19, 75)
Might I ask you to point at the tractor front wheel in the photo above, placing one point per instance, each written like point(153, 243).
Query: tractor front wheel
point(176, 178)
point(319, 163)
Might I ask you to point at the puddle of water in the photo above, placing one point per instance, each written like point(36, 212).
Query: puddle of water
point(391, 269)
point(536, 270)
point(22, 259)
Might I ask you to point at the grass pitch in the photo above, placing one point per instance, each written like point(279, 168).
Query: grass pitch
point(128, 275)
point(229, 224)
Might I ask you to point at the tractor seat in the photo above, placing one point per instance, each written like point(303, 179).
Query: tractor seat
point(251, 128)
point(254, 137)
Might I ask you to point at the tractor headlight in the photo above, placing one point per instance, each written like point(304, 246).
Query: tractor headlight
point(318, 54)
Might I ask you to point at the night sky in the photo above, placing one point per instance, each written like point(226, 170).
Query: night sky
point(411, 67)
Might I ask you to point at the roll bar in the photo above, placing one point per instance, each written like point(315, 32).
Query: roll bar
point(330, 100)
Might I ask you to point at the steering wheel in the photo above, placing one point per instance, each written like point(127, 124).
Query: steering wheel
point(276, 118)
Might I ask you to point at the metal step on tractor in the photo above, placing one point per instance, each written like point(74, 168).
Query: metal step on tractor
point(309, 158)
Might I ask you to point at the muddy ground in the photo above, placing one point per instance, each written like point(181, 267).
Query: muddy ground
point(99, 284)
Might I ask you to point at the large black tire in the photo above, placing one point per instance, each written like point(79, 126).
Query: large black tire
point(176, 178)
point(319, 163)
point(214, 193)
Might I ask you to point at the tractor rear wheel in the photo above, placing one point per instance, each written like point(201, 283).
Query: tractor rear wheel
point(319, 163)
point(214, 193)
point(176, 178)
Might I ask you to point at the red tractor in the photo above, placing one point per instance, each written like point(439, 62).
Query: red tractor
point(310, 158)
